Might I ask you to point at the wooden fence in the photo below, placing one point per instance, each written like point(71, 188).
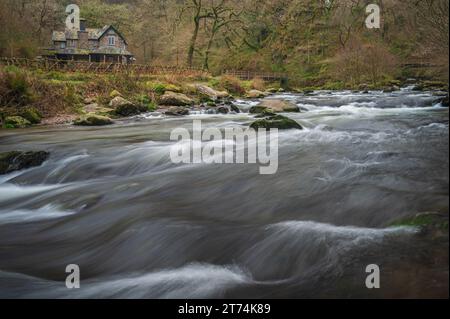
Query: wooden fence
point(101, 68)
point(132, 69)
point(249, 75)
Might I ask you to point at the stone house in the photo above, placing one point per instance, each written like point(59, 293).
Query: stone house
point(87, 44)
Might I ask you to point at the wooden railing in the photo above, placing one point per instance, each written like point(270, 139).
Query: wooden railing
point(133, 69)
point(101, 68)
point(249, 75)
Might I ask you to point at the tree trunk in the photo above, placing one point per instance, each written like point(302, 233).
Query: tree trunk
point(193, 42)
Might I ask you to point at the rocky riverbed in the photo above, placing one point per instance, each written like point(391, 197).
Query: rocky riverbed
point(364, 181)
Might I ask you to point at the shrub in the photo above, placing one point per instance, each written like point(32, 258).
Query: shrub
point(156, 87)
point(258, 84)
point(232, 85)
point(15, 87)
point(360, 62)
point(71, 96)
point(32, 115)
point(147, 102)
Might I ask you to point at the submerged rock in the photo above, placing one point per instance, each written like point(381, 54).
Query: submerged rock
point(16, 122)
point(444, 101)
point(234, 108)
point(257, 109)
point(278, 121)
point(177, 111)
point(265, 113)
point(93, 120)
point(175, 99)
point(431, 223)
point(16, 160)
point(223, 110)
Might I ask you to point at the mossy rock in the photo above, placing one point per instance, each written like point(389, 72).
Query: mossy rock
point(175, 99)
point(278, 121)
point(32, 115)
point(114, 94)
point(266, 113)
point(223, 110)
point(17, 160)
point(131, 109)
point(177, 111)
point(258, 109)
point(93, 120)
point(424, 220)
point(16, 122)
point(234, 108)
point(443, 101)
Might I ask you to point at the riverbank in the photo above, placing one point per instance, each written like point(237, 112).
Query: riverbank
point(33, 97)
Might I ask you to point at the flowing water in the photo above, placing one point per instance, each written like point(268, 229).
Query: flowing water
point(111, 201)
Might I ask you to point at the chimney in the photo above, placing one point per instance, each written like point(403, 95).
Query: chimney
point(82, 25)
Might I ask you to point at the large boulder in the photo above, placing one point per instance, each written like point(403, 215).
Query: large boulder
point(16, 122)
point(257, 109)
point(255, 94)
point(93, 120)
point(175, 99)
point(177, 111)
point(235, 108)
point(118, 101)
point(16, 160)
point(279, 106)
point(444, 101)
point(124, 107)
point(278, 121)
point(223, 110)
point(265, 113)
point(210, 93)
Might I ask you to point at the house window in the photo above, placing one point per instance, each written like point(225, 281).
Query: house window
point(111, 40)
point(71, 43)
point(63, 45)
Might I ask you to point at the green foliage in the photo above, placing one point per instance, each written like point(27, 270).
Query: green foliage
point(156, 87)
point(147, 102)
point(15, 87)
point(160, 88)
point(71, 96)
point(16, 122)
point(57, 76)
point(32, 115)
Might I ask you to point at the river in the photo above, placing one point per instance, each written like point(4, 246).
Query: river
point(110, 200)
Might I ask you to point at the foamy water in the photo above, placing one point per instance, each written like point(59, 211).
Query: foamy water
point(139, 226)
